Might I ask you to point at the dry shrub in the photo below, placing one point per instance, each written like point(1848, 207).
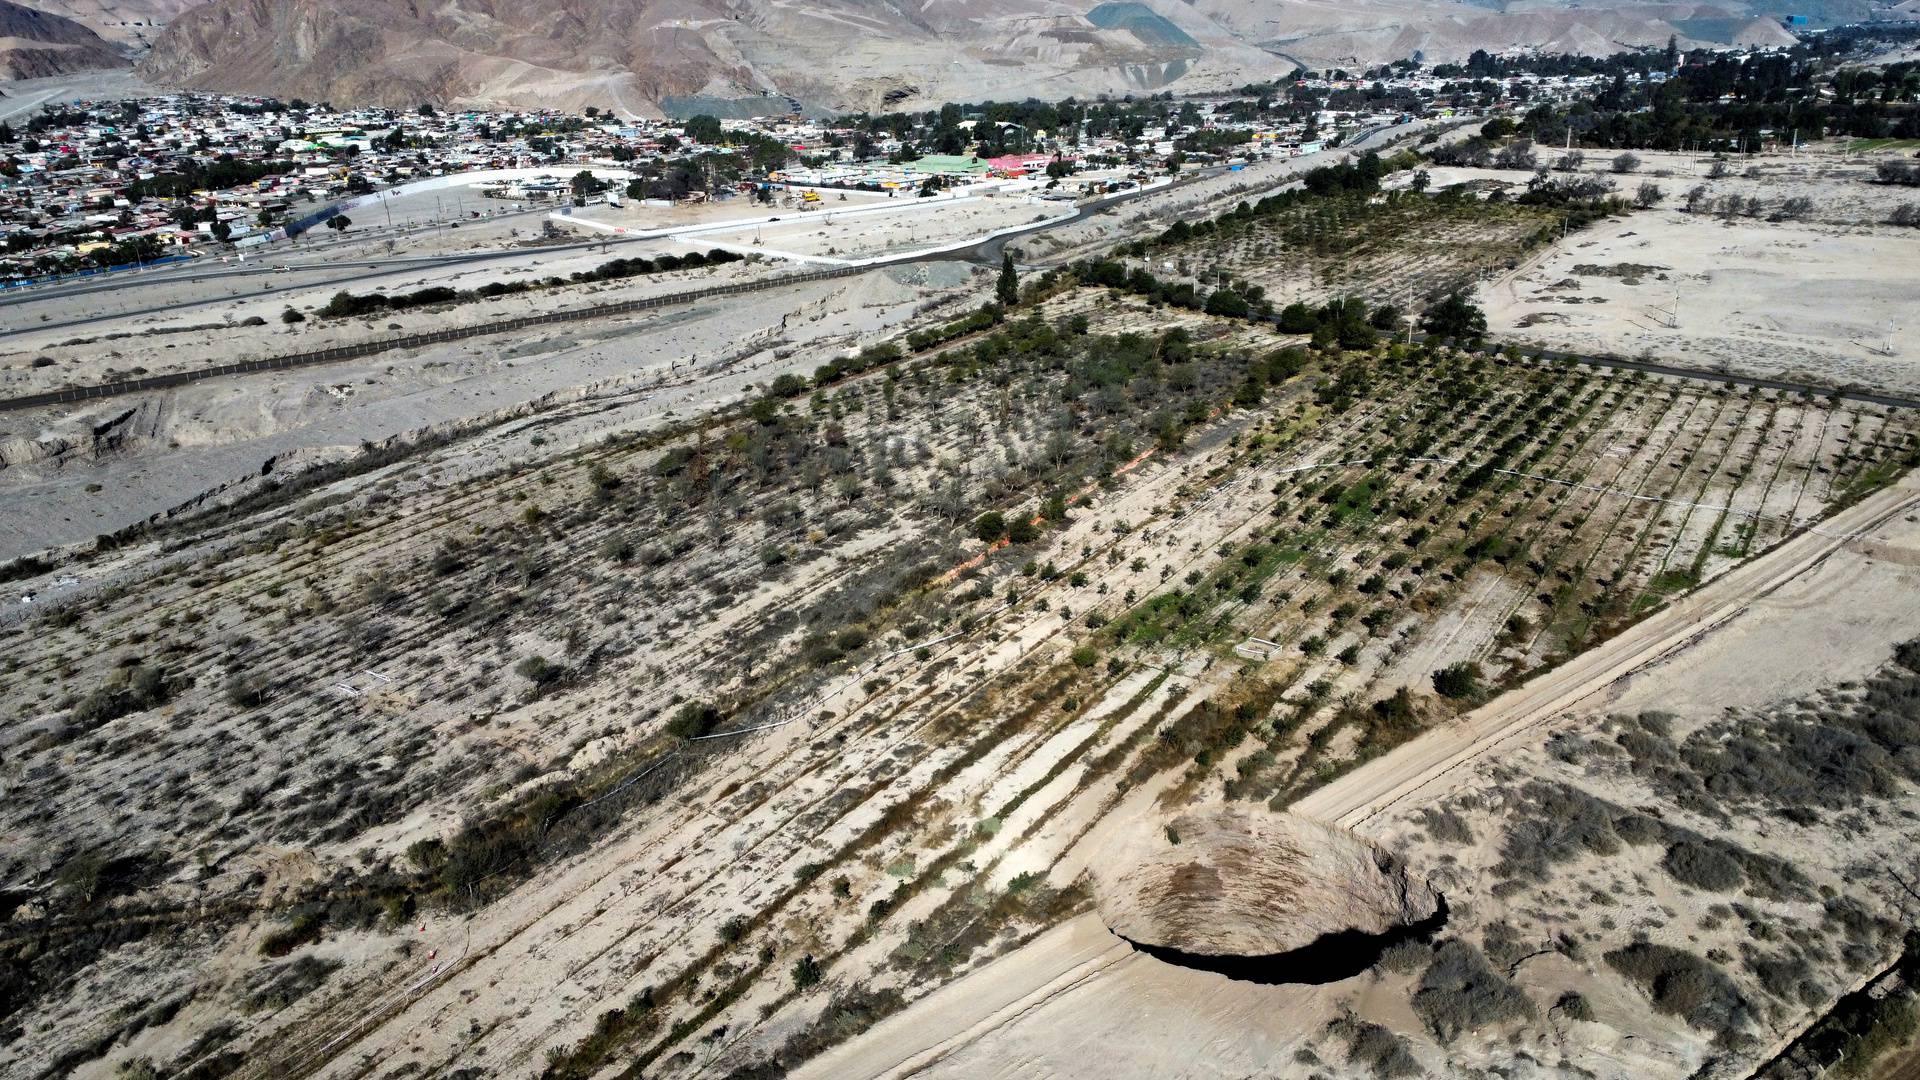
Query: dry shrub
point(1704, 865)
point(1684, 985)
point(1461, 992)
point(1406, 957)
point(1385, 1054)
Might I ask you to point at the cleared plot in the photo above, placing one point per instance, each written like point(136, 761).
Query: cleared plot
point(907, 226)
point(1807, 302)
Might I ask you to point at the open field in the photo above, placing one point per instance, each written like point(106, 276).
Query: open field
point(407, 772)
point(1801, 301)
point(823, 234)
point(75, 473)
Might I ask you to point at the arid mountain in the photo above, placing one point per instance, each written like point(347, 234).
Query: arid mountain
point(35, 44)
point(646, 56)
point(132, 22)
point(1322, 33)
point(640, 55)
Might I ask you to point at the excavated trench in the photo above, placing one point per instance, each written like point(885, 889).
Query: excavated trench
point(1259, 897)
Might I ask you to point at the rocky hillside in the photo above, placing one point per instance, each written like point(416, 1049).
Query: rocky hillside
point(641, 56)
point(129, 22)
point(34, 44)
point(653, 56)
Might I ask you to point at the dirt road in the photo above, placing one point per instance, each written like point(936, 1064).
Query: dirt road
point(1415, 769)
point(1006, 1010)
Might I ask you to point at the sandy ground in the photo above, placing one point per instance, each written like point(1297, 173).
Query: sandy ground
point(909, 228)
point(207, 334)
point(208, 435)
point(1810, 302)
point(26, 95)
point(637, 215)
point(531, 972)
point(1077, 1002)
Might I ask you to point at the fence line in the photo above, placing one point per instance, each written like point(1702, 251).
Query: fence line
point(408, 341)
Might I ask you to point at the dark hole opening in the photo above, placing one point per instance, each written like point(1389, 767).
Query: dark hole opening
point(1328, 958)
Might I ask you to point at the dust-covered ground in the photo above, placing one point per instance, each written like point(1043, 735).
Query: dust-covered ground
point(72, 474)
point(582, 741)
point(822, 234)
point(621, 721)
point(1824, 296)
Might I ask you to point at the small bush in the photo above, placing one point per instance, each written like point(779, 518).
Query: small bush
point(1406, 957)
point(693, 720)
point(539, 671)
point(1459, 682)
point(135, 690)
point(1461, 992)
point(1704, 865)
point(1682, 984)
point(1449, 827)
point(1387, 1055)
point(806, 972)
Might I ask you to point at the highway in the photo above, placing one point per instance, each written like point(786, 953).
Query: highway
point(322, 274)
point(310, 268)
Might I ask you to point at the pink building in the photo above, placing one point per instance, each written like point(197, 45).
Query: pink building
point(1019, 164)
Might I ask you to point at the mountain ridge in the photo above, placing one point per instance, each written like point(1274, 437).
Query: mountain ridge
point(35, 44)
point(634, 56)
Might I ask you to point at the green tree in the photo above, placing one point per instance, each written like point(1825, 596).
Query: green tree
point(1228, 303)
point(339, 222)
point(1007, 291)
point(806, 972)
point(1455, 317)
point(990, 526)
point(1458, 681)
point(1297, 318)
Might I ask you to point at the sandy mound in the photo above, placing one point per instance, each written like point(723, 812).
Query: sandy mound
point(1248, 883)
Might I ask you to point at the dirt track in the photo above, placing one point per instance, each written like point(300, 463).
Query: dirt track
point(975, 1018)
point(1387, 782)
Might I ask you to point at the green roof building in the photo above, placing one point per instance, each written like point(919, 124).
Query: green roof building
point(947, 164)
